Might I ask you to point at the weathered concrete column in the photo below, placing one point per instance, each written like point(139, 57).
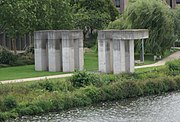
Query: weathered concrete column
point(118, 56)
point(59, 50)
point(67, 52)
point(122, 58)
point(54, 51)
point(129, 56)
point(79, 52)
point(41, 54)
point(72, 50)
point(105, 53)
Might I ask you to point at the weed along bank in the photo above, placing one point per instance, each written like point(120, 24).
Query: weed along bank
point(116, 49)
point(59, 50)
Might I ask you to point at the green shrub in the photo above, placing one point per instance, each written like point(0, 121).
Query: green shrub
point(80, 99)
point(30, 49)
point(46, 105)
point(173, 67)
point(9, 103)
point(6, 57)
point(57, 101)
point(7, 115)
point(83, 78)
point(130, 89)
point(93, 93)
point(24, 59)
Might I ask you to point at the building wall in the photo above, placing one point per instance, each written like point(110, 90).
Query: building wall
point(123, 4)
point(172, 3)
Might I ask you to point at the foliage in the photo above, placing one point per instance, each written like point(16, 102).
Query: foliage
point(19, 17)
point(93, 14)
point(6, 57)
point(32, 98)
point(83, 78)
point(153, 15)
point(9, 103)
point(173, 67)
point(177, 22)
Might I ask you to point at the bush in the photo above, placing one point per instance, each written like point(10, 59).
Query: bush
point(83, 78)
point(6, 57)
point(173, 67)
point(24, 59)
point(9, 103)
point(6, 115)
point(93, 93)
point(30, 49)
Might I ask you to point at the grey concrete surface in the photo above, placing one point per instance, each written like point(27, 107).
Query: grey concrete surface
point(116, 49)
point(59, 50)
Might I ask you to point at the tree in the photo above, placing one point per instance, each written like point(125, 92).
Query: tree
point(153, 15)
point(12, 18)
point(53, 14)
point(93, 14)
point(19, 17)
point(177, 23)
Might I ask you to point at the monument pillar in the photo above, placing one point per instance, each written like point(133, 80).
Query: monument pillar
point(105, 53)
point(118, 56)
point(129, 55)
point(54, 51)
point(67, 52)
point(41, 53)
point(59, 50)
point(116, 49)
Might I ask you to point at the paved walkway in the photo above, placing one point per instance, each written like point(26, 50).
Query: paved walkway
point(36, 78)
point(174, 56)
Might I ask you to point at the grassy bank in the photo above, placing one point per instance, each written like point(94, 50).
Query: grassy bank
point(90, 64)
point(82, 89)
point(19, 72)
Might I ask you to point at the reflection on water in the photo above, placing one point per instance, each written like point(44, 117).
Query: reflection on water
point(164, 108)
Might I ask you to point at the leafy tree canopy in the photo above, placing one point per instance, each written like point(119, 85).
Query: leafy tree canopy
point(93, 14)
point(153, 15)
point(23, 16)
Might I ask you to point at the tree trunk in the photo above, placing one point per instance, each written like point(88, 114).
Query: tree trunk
point(4, 40)
point(14, 45)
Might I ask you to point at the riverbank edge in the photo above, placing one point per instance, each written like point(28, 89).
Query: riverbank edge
point(91, 94)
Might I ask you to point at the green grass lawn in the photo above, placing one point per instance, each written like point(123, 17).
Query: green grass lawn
point(19, 72)
point(149, 59)
point(91, 61)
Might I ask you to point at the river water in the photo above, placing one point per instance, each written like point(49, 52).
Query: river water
point(164, 108)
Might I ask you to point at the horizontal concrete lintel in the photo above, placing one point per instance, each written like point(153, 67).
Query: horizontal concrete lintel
point(124, 34)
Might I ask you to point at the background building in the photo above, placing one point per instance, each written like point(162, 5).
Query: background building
point(122, 4)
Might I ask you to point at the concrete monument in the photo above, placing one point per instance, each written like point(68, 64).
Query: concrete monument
point(116, 49)
point(58, 50)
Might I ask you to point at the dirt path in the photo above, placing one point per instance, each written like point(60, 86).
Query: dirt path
point(175, 55)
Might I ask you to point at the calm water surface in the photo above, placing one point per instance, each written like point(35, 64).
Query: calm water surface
point(165, 108)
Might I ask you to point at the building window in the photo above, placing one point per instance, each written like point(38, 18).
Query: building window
point(178, 1)
point(117, 3)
